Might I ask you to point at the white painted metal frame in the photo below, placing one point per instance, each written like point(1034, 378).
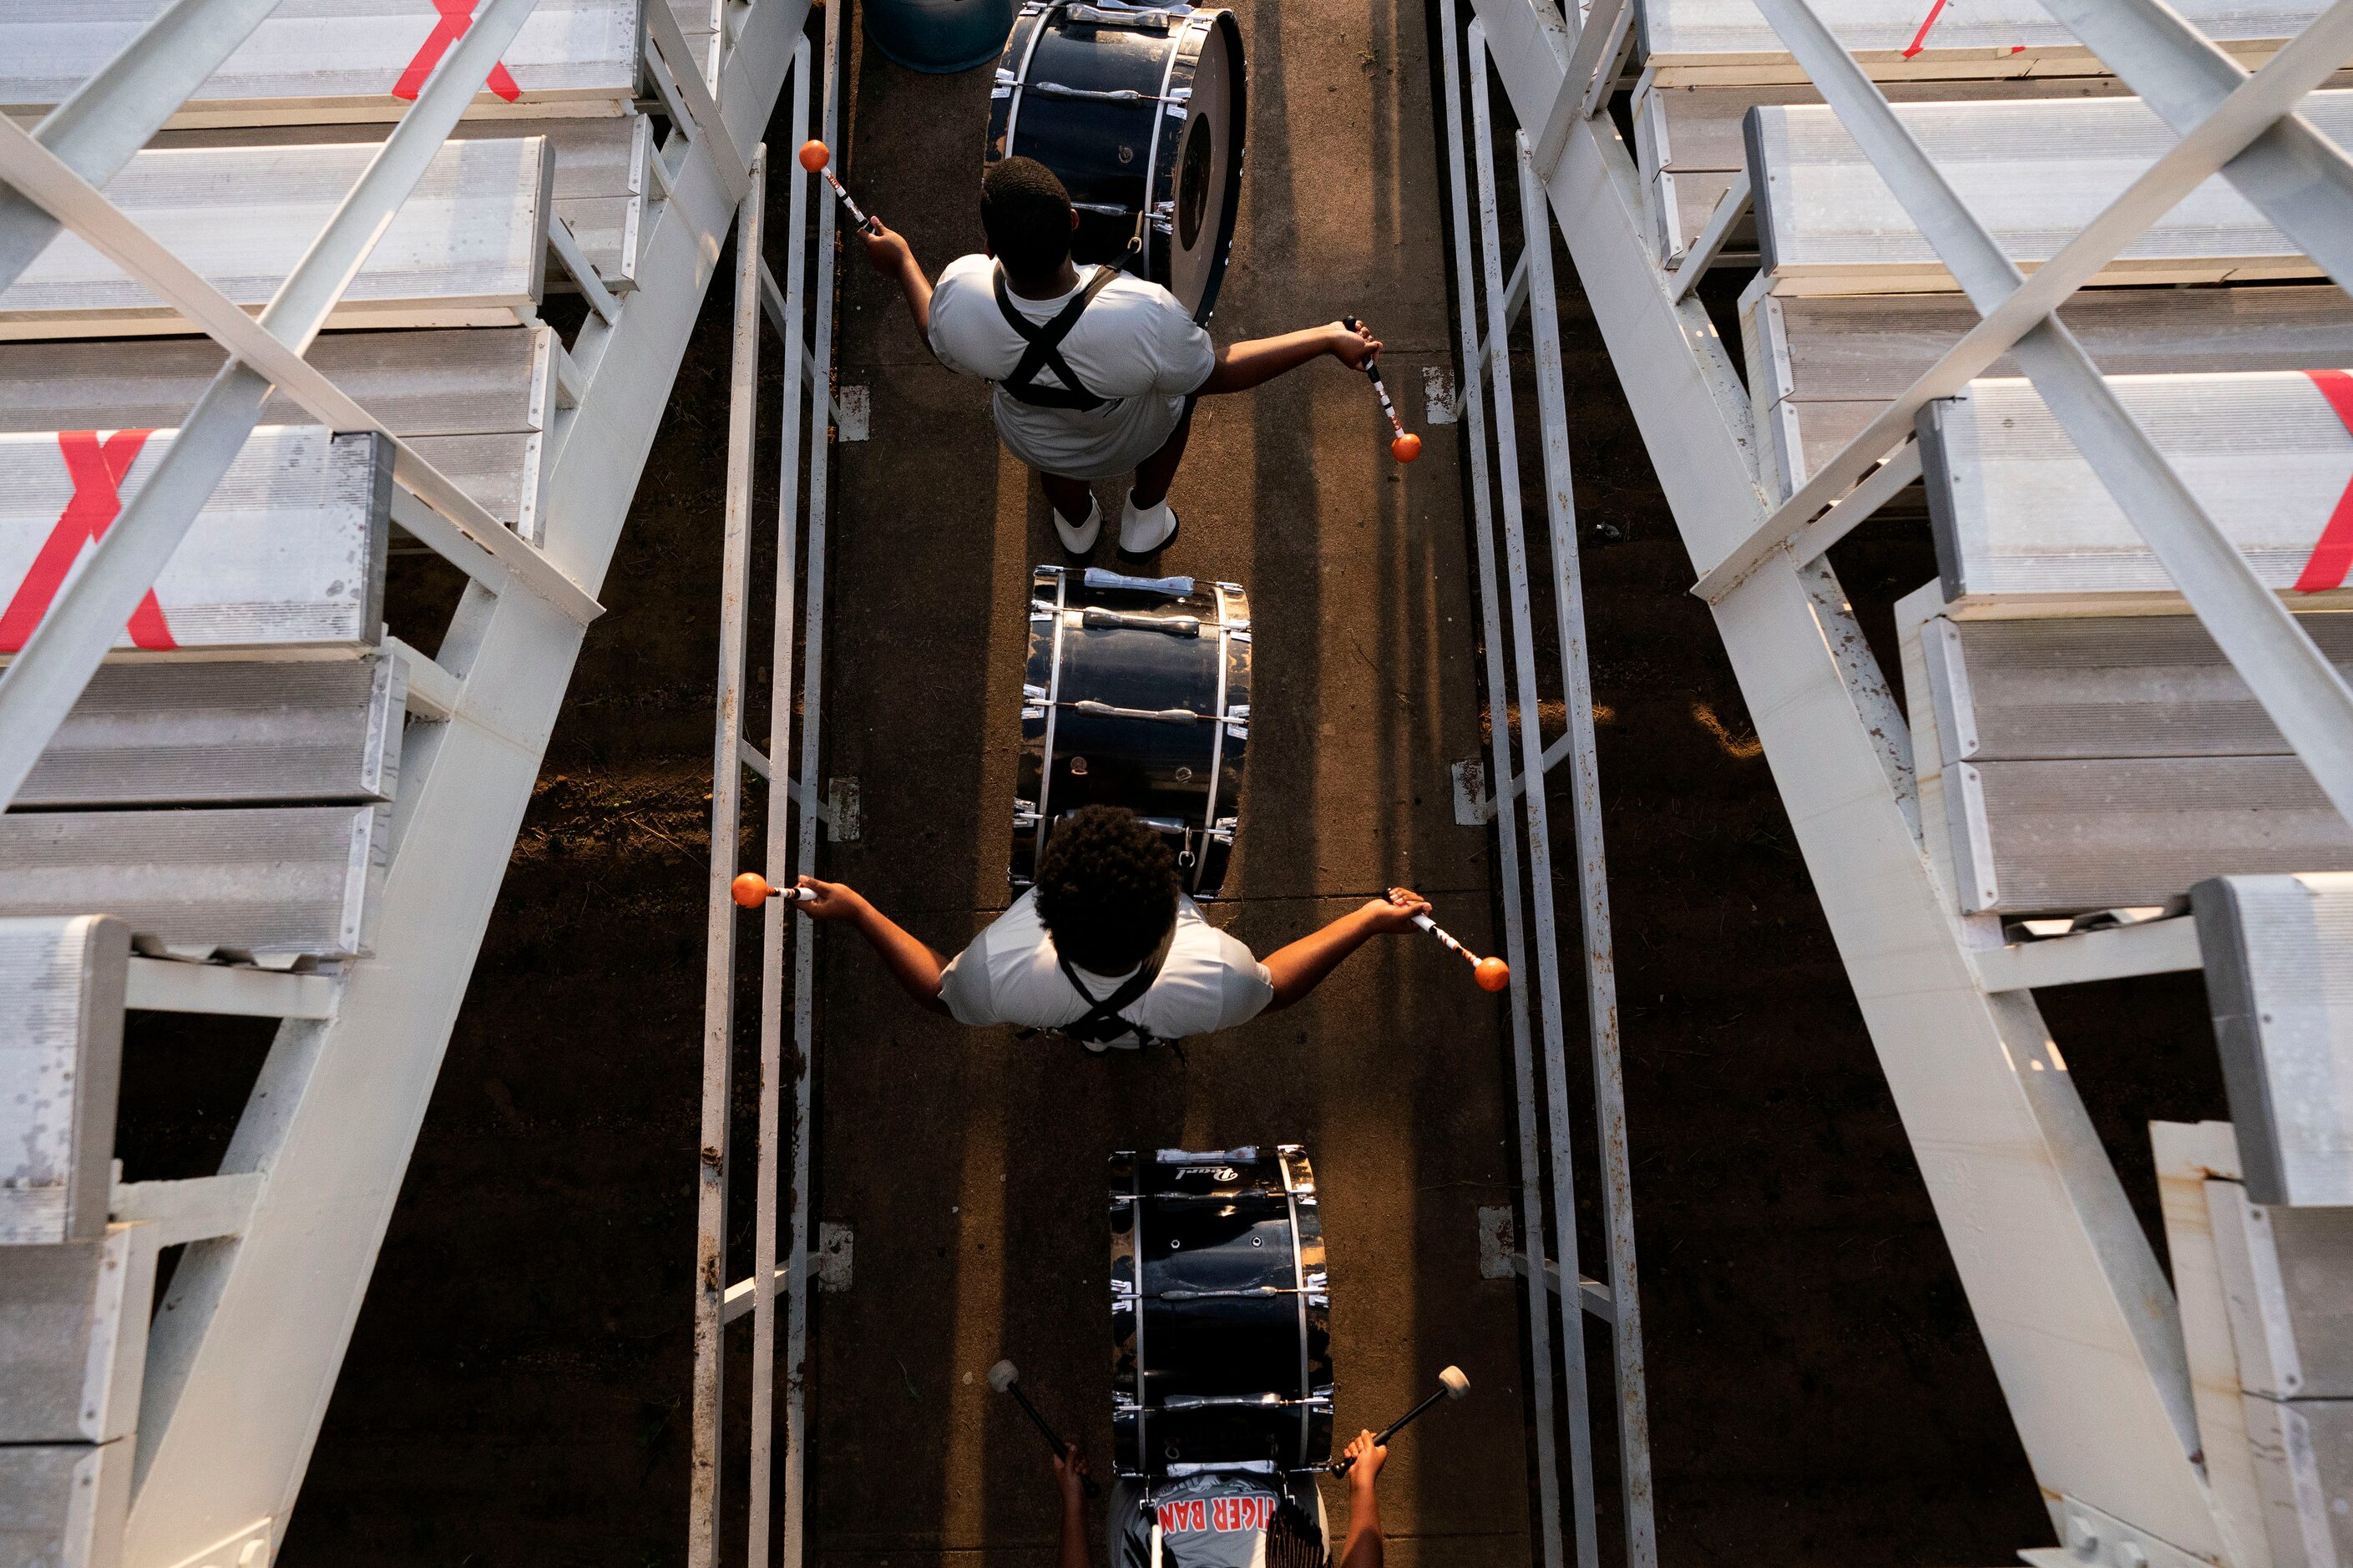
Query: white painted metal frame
point(2075, 1313)
point(241, 1361)
point(716, 1304)
point(1617, 1302)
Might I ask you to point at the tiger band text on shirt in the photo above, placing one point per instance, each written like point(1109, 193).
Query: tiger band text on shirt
point(1251, 1511)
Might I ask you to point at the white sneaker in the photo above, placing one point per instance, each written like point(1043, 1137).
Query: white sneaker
point(1146, 530)
point(1080, 538)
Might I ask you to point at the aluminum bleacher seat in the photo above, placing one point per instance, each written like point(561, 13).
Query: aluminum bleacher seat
point(2111, 758)
point(2022, 525)
point(600, 172)
point(1729, 41)
point(287, 555)
point(2103, 763)
point(312, 60)
point(1688, 143)
point(468, 249)
point(237, 732)
point(477, 405)
point(2033, 172)
point(2279, 980)
point(61, 994)
point(1822, 369)
point(274, 883)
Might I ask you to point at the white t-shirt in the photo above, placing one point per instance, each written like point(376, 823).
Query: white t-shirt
point(1135, 343)
point(1010, 973)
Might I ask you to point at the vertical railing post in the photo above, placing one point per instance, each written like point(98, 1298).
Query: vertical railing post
point(719, 958)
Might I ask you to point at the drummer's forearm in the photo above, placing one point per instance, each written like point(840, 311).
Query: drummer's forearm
point(918, 291)
point(1364, 1547)
point(1243, 365)
point(911, 963)
point(1299, 968)
point(1074, 1533)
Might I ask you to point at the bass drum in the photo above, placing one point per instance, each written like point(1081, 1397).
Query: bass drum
point(1141, 114)
point(1137, 697)
point(1220, 1313)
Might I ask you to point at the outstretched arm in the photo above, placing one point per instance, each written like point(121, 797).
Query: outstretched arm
point(1364, 1549)
point(1243, 365)
point(1071, 1476)
point(888, 253)
point(1300, 967)
point(911, 964)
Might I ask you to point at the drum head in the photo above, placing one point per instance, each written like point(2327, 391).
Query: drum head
point(1207, 187)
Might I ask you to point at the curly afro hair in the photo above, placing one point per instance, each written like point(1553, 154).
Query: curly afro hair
point(1106, 888)
point(1026, 214)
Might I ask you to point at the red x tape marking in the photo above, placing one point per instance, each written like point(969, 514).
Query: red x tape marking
point(457, 15)
point(96, 471)
point(2332, 557)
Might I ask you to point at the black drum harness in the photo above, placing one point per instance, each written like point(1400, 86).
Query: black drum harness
point(1101, 1023)
point(1045, 352)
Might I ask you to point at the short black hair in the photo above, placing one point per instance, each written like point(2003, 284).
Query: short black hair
point(1106, 888)
point(1026, 214)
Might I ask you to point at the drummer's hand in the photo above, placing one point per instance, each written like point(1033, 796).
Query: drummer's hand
point(1354, 347)
point(1369, 1456)
point(1070, 1475)
point(834, 900)
point(886, 249)
point(1396, 912)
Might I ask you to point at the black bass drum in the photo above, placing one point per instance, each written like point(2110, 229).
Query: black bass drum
point(1140, 113)
point(1220, 1313)
point(1135, 696)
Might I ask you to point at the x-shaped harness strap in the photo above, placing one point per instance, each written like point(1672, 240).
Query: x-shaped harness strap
point(1045, 349)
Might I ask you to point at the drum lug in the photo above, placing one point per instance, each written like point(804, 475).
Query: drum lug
point(1025, 815)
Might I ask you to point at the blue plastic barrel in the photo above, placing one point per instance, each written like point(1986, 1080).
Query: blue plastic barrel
point(939, 35)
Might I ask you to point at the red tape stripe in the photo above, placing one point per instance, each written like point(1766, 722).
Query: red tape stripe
point(2332, 556)
point(1920, 39)
point(457, 16)
point(96, 470)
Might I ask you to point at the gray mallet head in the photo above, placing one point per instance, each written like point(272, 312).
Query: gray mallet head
point(1005, 1374)
point(1457, 1386)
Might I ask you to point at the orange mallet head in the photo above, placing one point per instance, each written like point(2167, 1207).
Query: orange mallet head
point(751, 890)
point(814, 156)
point(1406, 447)
point(1491, 973)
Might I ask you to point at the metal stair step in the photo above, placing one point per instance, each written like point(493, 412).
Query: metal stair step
point(269, 882)
point(61, 997)
point(219, 734)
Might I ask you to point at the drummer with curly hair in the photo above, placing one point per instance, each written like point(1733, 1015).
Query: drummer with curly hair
point(1107, 948)
point(1096, 373)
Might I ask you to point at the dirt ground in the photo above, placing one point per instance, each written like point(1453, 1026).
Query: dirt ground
point(515, 1390)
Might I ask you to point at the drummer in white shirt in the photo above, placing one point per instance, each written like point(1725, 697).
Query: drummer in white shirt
point(1095, 373)
point(1106, 949)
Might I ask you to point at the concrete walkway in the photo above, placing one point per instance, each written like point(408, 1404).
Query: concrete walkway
point(970, 1165)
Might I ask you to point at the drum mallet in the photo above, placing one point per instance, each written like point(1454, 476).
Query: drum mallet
point(815, 156)
point(1452, 1385)
point(1404, 446)
point(752, 889)
point(1491, 973)
point(1006, 1378)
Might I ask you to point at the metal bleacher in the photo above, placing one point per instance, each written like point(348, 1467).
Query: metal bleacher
point(278, 291)
point(2056, 287)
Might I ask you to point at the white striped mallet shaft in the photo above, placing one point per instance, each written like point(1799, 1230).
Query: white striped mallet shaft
point(1452, 1385)
point(1492, 974)
point(815, 157)
point(1404, 445)
point(1006, 1378)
